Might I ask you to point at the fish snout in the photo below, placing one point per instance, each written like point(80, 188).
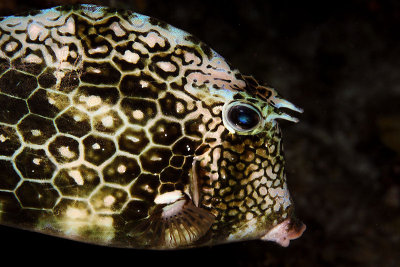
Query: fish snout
point(287, 230)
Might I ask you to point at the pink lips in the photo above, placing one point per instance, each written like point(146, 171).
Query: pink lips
point(284, 232)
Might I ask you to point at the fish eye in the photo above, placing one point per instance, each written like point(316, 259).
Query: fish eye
point(242, 117)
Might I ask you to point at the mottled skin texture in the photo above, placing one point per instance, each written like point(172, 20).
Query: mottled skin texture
point(103, 111)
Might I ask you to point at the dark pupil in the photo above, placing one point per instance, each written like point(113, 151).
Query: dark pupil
point(243, 117)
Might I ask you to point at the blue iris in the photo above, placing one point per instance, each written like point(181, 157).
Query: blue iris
point(243, 117)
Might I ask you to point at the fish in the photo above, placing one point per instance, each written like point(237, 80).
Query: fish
point(118, 129)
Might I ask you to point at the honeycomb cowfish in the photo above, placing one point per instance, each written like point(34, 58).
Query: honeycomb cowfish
point(120, 130)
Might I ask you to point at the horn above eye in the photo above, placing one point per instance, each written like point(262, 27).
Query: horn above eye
point(242, 117)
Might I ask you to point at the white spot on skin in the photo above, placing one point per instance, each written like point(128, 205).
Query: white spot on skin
point(148, 188)
point(109, 201)
point(96, 146)
point(273, 192)
point(94, 70)
point(100, 49)
point(202, 128)
point(11, 46)
point(144, 84)
point(139, 46)
point(137, 22)
point(270, 173)
point(267, 203)
point(131, 57)
point(277, 207)
point(68, 27)
point(51, 101)
point(73, 54)
point(180, 108)
point(155, 158)
point(33, 59)
point(137, 114)
point(263, 191)
point(117, 29)
point(166, 66)
point(188, 56)
point(133, 139)
point(152, 39)
point(61, 53)
point(65, 152)
point(255, 175)
point(249, 216)
point(107, 121)
point(3, 138)
point(75, 213)
point(36, 31)
point(78, 118)
point(121, 169)
point(263, 180)
point(168, 197)
point(93, 101)
point(37, 161)
point(77, 176)
point(59, 74)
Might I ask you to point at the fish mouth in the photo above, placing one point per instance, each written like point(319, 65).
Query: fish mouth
point(287, 230)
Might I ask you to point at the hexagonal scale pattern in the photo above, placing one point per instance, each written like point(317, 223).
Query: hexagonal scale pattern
point(48, 104)
point(155, 159)
point(64, 149)
point(74, 209)
point(165, 132)
point(34, 164)
point(77, 181)
point(36, 130)
point(73, 121)
point(145, 187)
point(108, 199)
point(17, 84)
point(37, 195)
point(108, 122)
point(133, 141)
point(98, 149)
point(122, 170)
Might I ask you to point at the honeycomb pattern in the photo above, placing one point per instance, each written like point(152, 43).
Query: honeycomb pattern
point(47, 104)
point(34, 164)
point(73, 121)
point(107, 115)
point(36, 130)
point(17, 84)
point(77, 181)
point(109, 199)
point(37, 195)
point(64, 149)
point(122, 170)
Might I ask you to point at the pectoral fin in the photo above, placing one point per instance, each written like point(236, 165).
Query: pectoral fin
point(175, 224)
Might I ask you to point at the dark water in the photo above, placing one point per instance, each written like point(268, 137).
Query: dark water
point(340, 61)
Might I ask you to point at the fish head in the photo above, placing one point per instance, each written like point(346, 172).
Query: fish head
point(239, 170)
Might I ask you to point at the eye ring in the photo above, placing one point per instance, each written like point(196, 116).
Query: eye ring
point(242, 117)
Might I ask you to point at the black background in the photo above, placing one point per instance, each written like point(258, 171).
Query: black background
point(339, 60)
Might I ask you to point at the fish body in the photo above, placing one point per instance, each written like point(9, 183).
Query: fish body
point(121, 130)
